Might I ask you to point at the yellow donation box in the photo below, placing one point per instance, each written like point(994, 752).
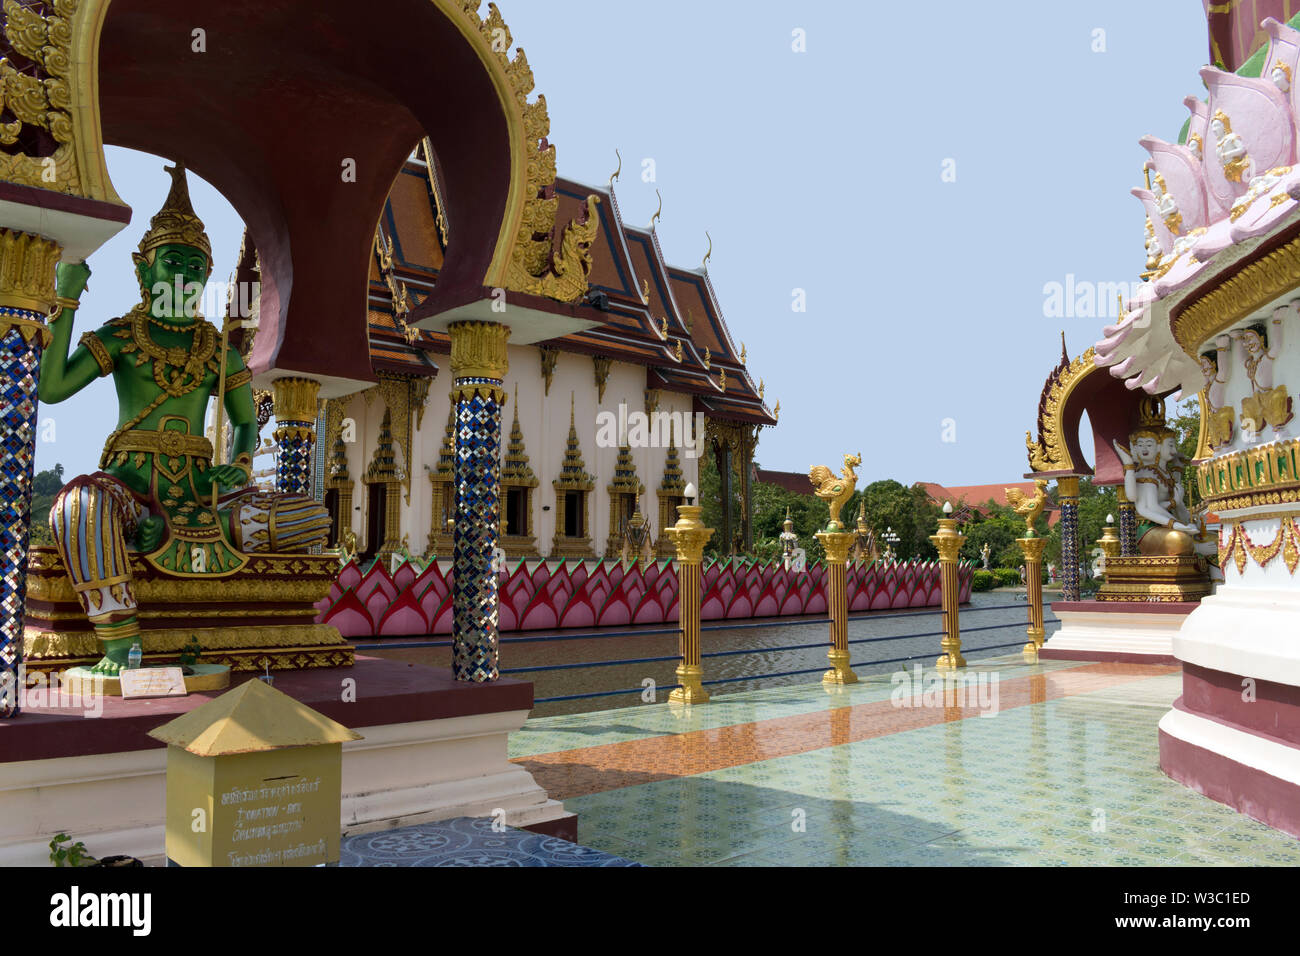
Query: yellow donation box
point(254, 778)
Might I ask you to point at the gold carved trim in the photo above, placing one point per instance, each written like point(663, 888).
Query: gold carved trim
point(1285, 542)
point(1050, 452)
point(27, 264)
point(1264, 475)
point(295, 399)
point(478, 350)
point(1232, 299)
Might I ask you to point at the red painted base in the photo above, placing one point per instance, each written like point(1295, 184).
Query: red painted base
point(373, 692)
point(1258, 795)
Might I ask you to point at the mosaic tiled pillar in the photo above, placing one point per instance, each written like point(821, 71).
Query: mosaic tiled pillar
point(20, 358)
point(478, 369)
point(1067, 496)
point(1128, 527)
point(295, 434)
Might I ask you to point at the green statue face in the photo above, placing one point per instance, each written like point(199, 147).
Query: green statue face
point(174, 281)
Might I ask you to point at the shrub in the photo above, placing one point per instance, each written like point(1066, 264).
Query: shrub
point(984, 581)
point(1007, 577)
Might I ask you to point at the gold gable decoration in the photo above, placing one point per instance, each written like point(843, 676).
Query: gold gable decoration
point(534, 266)
point(48, 83)
point(1049, 452)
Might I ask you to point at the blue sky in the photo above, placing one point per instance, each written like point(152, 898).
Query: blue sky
point(824, 170)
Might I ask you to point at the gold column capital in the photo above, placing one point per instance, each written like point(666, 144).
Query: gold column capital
point(1033, 547)
point(948, 540)
point(27, 263)
point(295, 399)
point(1067, 487)
point(478, 351)
point(836, 545)
point(689, 536)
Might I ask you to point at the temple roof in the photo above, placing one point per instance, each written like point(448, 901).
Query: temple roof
point(696, 356)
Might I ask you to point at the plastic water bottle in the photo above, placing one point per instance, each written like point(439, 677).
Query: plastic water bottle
point(134, 655)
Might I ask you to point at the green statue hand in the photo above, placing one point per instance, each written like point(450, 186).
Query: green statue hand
point(229, 477)
point(150, 534)
point(71, 279)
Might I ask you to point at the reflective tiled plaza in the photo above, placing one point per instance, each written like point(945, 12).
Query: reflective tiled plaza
point(1046, 764)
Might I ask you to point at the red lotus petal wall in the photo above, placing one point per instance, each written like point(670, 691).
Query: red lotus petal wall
point(416, 600)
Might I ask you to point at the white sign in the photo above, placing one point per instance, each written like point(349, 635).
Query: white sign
point(152, 682)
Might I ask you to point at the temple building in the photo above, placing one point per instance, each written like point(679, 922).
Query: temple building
point(604, 422)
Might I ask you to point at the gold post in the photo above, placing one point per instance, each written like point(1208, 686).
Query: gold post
point(219, 446)
point(1109, 541)
point(949, 541)
point(689, 537)
point(837, 544)
point(1033, 551)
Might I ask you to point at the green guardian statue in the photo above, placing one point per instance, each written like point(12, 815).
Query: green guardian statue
point(159, 492)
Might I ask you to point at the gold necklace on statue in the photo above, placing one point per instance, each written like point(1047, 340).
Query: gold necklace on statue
point(177, 371)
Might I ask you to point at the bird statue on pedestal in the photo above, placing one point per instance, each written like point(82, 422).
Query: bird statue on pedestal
point(834, 489)
point(1028, 508)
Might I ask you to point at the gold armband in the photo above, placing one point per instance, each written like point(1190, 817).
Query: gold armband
point(63, 302)
point(95, 346)
point(242, 377)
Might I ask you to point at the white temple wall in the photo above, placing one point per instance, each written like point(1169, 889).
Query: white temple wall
point(544, 420)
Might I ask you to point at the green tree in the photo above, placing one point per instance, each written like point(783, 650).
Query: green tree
point(1187, 423)
point(998, 527)
point(905, 511)
point(45, 485)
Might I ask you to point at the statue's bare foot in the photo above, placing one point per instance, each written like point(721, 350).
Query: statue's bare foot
point(108, 667)
point(116, 657)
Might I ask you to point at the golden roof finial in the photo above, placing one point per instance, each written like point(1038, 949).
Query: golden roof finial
point(744, 353)
point(645, 291)
point(663, 327)
point(706, 357)
point(761, 386)
point(658, 212)
point(722, 380)
point(776, 412)
point(704, 263)
point(614, 175)
point(571, 409)
point(677, 352)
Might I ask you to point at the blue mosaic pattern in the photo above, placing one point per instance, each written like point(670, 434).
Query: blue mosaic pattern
point(477, 476)
point(19, 367)
point(1069, 548)
point(467, 841)
point(1128, 531)
point(293, 458)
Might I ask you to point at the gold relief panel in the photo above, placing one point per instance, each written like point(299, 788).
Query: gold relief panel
point(1260, 475)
